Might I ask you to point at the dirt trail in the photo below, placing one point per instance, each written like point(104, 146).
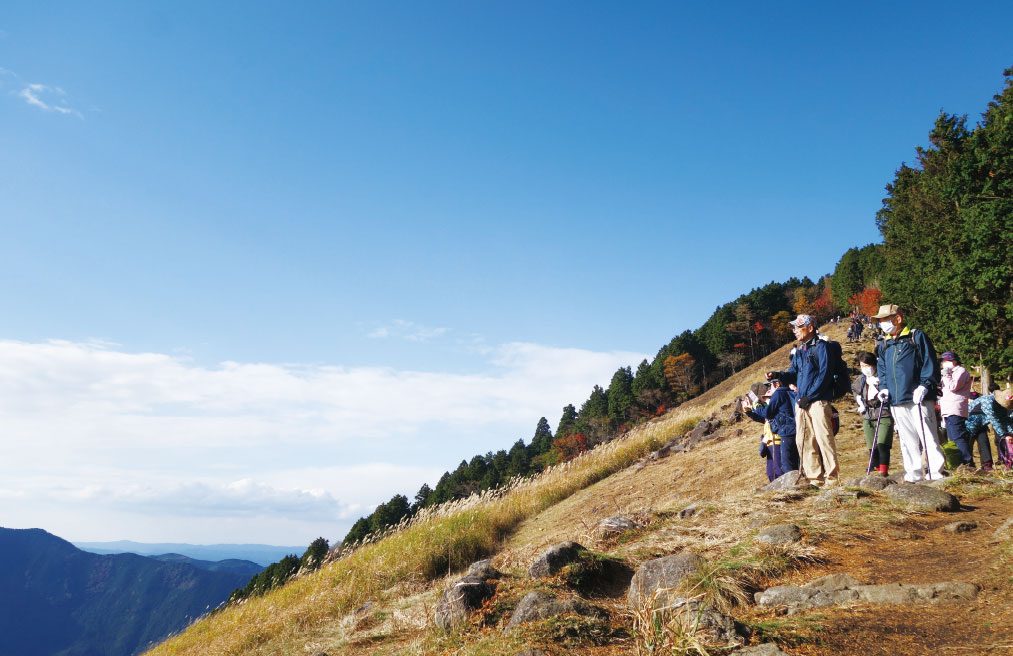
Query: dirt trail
point(916, 550)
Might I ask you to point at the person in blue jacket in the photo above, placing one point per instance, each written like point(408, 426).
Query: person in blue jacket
point(814, 431)
point(908, 378)
point(780, 412)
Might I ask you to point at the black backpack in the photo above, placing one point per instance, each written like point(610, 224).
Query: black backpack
point(838, 369)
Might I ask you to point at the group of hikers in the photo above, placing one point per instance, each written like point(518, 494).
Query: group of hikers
point(897, 393)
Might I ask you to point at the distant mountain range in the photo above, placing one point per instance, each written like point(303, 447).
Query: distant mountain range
point(57, 600)
point(262, 554)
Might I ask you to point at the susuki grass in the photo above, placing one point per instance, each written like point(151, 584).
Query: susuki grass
point(435, 543)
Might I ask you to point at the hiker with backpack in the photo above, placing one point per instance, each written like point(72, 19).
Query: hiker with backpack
point(956, 388)
point(909, 377)
point(876, 419)
point(993, 410)
point(812, 373)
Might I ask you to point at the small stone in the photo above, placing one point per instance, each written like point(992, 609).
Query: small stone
point(688, 511)
point(531, 652)
point(779, 534)
point(960, 527)
point(614, 526)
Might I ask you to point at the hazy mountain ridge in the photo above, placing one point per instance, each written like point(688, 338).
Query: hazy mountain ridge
point(262, 554)
point(61, 601)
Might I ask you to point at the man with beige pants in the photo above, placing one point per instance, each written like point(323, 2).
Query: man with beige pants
point(814, 431)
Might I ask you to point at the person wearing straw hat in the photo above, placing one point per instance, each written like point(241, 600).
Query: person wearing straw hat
point(908, 379)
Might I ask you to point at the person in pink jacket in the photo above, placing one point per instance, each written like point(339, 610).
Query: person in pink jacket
point(956, 385)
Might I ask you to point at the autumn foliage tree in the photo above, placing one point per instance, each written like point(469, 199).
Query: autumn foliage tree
point(866, 301)
point(680, 373)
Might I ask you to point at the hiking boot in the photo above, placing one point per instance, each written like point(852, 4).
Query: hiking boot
point(877, 472)
point(988, 468)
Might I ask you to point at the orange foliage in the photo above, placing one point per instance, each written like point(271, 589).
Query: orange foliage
point(866, 301)
point(679, 372)
point(570, 446)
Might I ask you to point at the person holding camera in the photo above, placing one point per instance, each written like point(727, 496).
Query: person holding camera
point(814, 432)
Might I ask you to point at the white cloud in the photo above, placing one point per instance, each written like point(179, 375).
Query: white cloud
point(408, 330)
point(91, 428)
point(45, 97)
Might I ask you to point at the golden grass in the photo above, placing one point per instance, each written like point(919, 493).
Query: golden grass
point(436, 543)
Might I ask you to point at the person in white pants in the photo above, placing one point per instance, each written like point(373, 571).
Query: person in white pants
point(909, 377)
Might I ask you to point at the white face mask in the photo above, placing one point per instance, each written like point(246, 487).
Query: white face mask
point(947, 364)
point(886, 326)
point(868, 371)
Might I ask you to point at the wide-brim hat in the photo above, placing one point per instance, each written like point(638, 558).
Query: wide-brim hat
point(886, 311)
point(1002, 397)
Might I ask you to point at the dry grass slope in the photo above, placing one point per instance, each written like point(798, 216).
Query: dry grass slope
point(405, 572)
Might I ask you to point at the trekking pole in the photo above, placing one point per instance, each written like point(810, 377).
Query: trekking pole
point(925, 444)
point(875, 439)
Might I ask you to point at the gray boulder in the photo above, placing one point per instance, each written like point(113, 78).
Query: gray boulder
point(874, 483)
point(688, 511)
point(555, 559)
point(463, 597)
point(661, 575)
point(536, 606)
point(779, 534)
point(785, 482)
point(841, 589)
point(924, 497)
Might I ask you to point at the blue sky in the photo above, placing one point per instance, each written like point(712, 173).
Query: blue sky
point(215, 215)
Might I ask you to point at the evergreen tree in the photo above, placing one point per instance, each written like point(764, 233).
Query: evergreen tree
point(945, 225)
point(542, 440)
point(847, 279)
point(313, 558)
point(421, 498)
point(567, 422)
point(620, 395)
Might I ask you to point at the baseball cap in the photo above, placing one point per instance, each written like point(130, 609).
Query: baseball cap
point(802, 320)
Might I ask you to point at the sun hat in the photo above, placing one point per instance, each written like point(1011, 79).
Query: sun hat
point(1002, 397)
point(887, 311)
point(802, 320)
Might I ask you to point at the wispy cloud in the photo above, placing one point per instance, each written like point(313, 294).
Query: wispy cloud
point(48, 99)
point(43, 96)
point(408, 330)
